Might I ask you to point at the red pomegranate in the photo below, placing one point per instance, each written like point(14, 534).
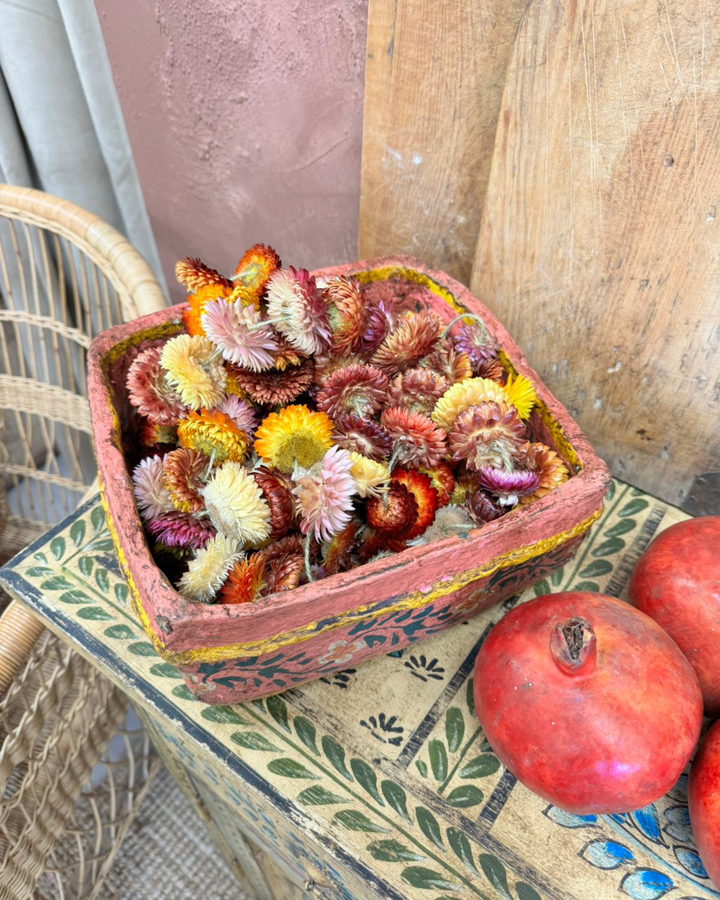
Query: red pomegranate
point(677, 583)
point(588, 702)
point(704, 802)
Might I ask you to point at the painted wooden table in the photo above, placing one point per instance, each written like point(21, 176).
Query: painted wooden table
point(375, 781)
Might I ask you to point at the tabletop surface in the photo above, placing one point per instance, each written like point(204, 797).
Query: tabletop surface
point(383, 768)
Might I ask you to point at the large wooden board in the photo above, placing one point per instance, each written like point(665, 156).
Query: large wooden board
point(433, 83)
point(600, 242)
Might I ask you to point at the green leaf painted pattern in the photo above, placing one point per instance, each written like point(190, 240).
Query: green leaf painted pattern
point(102, 580)
point(182, 691)
point(426, 879)
point(392, 851)
point(596, 568)
point(120, 632)
point(621, 527)
point(461, 847)
point(608, 547)
point(85, 564)
point(454, 728)
point(121, 593)
point(142, 648)
point(336, 755)
point(251, 740)
point(396, 797)
point(316, 795)
point(438, 759)
point(165, 670)
point(366, 778)
point(75, 596)
point(354, 820)
point(586, 586)
point(429, 826)
point(77, 532)
point(480, 767)
point(278, 710)
point(464, 796)
point(56, 583)
point(525, 892)
point(224, 715)
point(633, 507)
point(305, 730)
point(97, 518)
point(57, 547)
point(94, 614)
point(494, 871)
point(290, 768)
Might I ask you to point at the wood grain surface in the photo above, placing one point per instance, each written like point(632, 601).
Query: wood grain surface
point(433, 84)
point(600, 244)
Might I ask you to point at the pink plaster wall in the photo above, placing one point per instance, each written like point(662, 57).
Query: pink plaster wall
point(245, 119)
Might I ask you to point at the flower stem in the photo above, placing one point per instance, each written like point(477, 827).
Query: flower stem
point(306, 554)
point(457, 319)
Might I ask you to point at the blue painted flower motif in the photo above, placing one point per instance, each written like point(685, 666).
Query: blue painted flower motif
point(690, 861)
point(606, 854)
point(647, 822)
point(678, 827)
point(569, 820)
point(384, 729)
point(646, 884)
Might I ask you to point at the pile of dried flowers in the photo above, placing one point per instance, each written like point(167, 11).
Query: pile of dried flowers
point(298, 429)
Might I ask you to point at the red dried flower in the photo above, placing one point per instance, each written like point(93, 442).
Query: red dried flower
point(283, 564)
point(487, 434)
point(184, 472)
point(244, 582)
point(194, 274)
point(375, 543)
point(395, 513)
point(483, 508)
point(150, 392)
point(179, 529)
point(277, 493)
point(508, 487)
point(425, 496)
point(443, 480)
point(380, 322)
point(364, 436)
point(337, 551)
point(415, 439)
point(353, 389)
point(418, 389)
point(276, 386)
point(347, 313)
point(414, 337)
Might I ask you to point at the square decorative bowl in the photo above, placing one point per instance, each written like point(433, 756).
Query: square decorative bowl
point(234, 653)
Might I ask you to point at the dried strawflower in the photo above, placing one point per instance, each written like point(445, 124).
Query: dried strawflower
point(462, 396)
point(208, 570)
point(414, 337)
point(293, 436)
point(193, 368)
point(180, 529)
point(256, 266)
point(215, 434)
point(241, 334)
point(394, 513)
point(546, 464)
point(425, 496)
point(482, 507)
point(184, 471)
point(276, 386)
point(380, 321)
point(286, 355)
point(151, 434)
point(450, 521)
point(465, 485)
point(151, 494)
point(337, 552)
point(492, 369)
point(442, 479)
point(448, 361)
point(276, 491)
point(297, 310)
point(244, 582)
point(487, 434)
point(240, 412)
point(371, 477)
point(353, 389)
point(363, 436)
point(521, 394)
point(194, 274)
point(417, 389)
point(192, 314)
point(415, 439)
point(150, 392)
point(379, 545)
point(347, 313)
point(236, 504)
point(327, 364)
point(508, 487)
point(283, 564)
point(476, 343)
point(325, 495)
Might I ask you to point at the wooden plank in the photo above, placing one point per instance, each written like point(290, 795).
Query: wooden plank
point(433, 84)
point(600, 242)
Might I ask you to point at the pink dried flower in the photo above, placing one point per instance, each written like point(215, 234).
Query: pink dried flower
point(416, 440)
point(150, 392)
point(241, 412)
point(364, 436)
point(179, 529)
point(418, 389)
point(476, 343)
point(297, 310)
point(487, 434)
point(353, 389)
point(151, 494)
point(508, 487)
point(240, 333)
point(325, 495)
point(414, 337)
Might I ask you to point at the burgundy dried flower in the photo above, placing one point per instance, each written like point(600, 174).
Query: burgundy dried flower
point(277, 492)
point(347, 314)
point(283, 564)
point(353, 389)
point(184, 472)
point(418, 390)
point(415, 439)
point(508, 487)
point(364, 436)
point(276, 386)
point(476, 343)
point(414, 337)
point(483, 508)
point(150, 392)
point(179, 529)
point(492, 369)
point(377, 544)
point(394, 513)
point(487, 434)
point(379, 323)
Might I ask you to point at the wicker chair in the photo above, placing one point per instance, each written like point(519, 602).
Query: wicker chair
point(64, 275)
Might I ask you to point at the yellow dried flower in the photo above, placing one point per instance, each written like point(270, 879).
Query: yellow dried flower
point(208, 570)
point(521, 394)
point(296, 434)
point(215, 434)
point(371, 477)
point(462, 396)
point(195, 370)
point(236, 505)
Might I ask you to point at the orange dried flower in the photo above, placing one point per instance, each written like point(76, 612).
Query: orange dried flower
point(412, 338)
point(546, 464)
point(347, 313)
point(425, 496)
point(256, 266)
point(194, 274)
point(184, 472)
point(448, 361)
point(215, 434)
point(415, 439)
point(192, 313)
point(244, 582)
point(395, 513)
point(338, 550)
point(442, 479)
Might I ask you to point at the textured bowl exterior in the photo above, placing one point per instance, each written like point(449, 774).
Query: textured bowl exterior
point(234, 653)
